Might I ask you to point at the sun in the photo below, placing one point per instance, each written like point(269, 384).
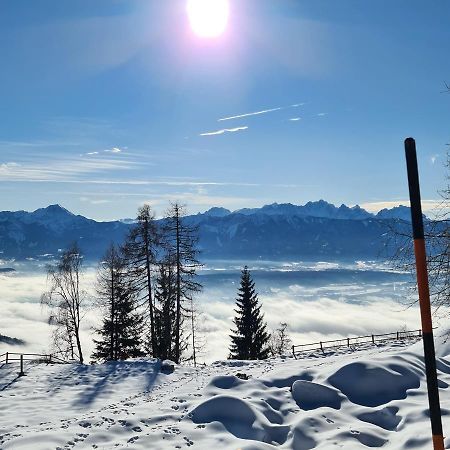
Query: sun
point(208, 18)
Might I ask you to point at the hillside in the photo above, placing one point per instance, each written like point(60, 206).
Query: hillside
point(371, 398)
point(314, 231)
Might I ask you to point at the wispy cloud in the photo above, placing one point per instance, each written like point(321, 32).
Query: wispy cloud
point(322, 114)
point(295, 119)
point(98, 201)
point(264, 111)
point(62, 169)
point(37, 144)
point(434, 158)
point(225, 130)
point(113, 150)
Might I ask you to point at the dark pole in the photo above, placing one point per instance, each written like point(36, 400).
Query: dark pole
point(21, 373)
point(424, 293)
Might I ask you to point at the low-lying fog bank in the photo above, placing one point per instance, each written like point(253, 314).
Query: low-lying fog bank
point(319, 301)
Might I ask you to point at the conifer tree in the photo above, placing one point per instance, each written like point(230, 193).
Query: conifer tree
point(140, 250)
point(120, 331)
point(165, 310)
point(181, 241)
point(249, 340)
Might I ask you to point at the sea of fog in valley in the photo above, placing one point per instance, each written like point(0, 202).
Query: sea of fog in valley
point(318, 300)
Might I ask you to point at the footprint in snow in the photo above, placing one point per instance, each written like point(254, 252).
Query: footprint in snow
point(84, 424)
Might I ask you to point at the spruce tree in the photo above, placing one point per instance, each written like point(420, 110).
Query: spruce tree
point(250, 338)
point(120, 331)
point(165, 311)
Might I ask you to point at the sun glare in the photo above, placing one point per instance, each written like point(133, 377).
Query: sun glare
point(208, 18)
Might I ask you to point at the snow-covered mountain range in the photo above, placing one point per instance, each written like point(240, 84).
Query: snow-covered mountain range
point(319, 208)
point(314, 230)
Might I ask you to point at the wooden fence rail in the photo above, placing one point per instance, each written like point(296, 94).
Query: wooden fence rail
point(357, 340)
point(10, 357)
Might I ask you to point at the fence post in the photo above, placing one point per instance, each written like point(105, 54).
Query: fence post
point(21, 373)
point(321, 347)
point(397, 335)
point(424, 294)
point(373, 339)
point(348, 342)
point(6, 358)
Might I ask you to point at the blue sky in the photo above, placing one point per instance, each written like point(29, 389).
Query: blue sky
point(112, 103)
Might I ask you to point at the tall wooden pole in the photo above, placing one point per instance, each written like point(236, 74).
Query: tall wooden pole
point(424, 294)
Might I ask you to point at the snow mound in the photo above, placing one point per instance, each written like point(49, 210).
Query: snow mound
point(386, 418)
point(235, 414)
point(225, 382)
point(290, 380)
point(310, 395)
point(371, 384)
point(239, 418)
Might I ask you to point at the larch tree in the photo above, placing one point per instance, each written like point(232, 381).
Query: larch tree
point(180, 239)
point(249, 339)
point(121, 327)
point(141, 250)
point(66, 301)
point(165, 316)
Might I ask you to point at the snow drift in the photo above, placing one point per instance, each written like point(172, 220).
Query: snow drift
point(372, 398)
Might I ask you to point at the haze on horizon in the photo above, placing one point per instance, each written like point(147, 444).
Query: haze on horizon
point(111, 104)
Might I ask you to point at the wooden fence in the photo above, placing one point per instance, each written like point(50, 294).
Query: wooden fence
point(353, 341)
point(11, 357)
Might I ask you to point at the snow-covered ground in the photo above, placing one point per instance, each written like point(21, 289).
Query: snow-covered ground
point(374, 397)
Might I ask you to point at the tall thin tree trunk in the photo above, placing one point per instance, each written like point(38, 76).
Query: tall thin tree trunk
point(112, 314)
point(150, 303)
point(193, 333)
point(78, 318)
point(178, 321)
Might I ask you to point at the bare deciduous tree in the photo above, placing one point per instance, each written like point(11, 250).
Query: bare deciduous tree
point(66, 300)
point(437, 236)
point(280, 342)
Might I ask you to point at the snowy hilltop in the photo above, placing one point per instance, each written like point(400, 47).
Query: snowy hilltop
point(353, 399)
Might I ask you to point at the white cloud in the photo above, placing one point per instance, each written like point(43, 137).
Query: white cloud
point(113, 150)
point(95, 201)
point(313, 313)
point(225, 130)
point(434, 158)
point(264, 111)
point(295, 119)
point(62, 169)
point(5, 167)
point(322, 114)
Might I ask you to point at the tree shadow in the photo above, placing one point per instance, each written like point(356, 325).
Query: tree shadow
point(97, 380)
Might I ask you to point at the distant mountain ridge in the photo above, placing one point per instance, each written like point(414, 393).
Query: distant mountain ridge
point(319, 208)
point(314, 230)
